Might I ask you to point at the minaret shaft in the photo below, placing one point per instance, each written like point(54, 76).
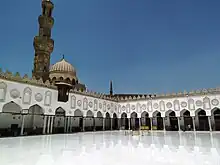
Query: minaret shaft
point(43, 43)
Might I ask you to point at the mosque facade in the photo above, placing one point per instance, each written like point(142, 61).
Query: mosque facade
point(53, 100)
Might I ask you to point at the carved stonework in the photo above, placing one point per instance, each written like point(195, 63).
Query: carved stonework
point(183, 104)
point(79, 103)
point(85, 104)
point(17, 76)
point(156, 106)
point(169, 105)
point(128, 108)
point(108, 107)
point(27, 96)
point(176, 105)
point(162, 106)
point(95, 105)
point(215, 102)
point(133, 107)
point(104, 106)
point(38, 97)
point(116, 107)
point(48, 97)
point(206, 103)
point(100, 105)
point(8, 74)
point(198, 103)
point(143, 107)
point(191, 104)
point(119, 109)
point(14, 93)
point(138, 106)
point(73, 102)
point(149, 106)
point(90, 104)
point(3, 90)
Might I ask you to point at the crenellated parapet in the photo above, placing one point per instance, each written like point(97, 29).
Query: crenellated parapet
point(16, 77)
point(94, 94)
point(7, 75)
point(171, 95)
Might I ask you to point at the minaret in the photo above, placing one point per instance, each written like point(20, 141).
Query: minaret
point(43, 44)
point(111, 89)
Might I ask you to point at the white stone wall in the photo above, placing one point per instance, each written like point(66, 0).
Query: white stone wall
point(26, 96)
point(165, 105)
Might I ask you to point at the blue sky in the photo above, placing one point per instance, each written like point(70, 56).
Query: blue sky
point(144, 46)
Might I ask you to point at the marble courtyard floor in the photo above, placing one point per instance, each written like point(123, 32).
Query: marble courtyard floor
point(113, 148)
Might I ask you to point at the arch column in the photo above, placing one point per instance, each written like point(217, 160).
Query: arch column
point(103, 124)
point(151, 123)
point(94, 125)
point(51, 124)
point(179, 123)
point(210, 124)
point(22, 124)
point(83, 124)
point(111, 123)
point(194, 125)
point(48, 125)
point(164, 124)
point(45, 124)
point(129, 123)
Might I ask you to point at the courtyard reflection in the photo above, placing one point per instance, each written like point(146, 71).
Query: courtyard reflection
point(200, 147)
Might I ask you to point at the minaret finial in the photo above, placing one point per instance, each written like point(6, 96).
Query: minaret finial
point(111, 88)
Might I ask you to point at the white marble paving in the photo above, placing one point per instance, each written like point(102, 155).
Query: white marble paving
point(108, 148)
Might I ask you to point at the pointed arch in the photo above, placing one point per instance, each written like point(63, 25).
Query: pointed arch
point(114, 115)
point(144, 114)
point(11, 107)
point(156, 114)
point(134, 115)
point(60, 112)
point(124, 115)
point(216, 116)
point(36, 110)
point(167, 114)
point(184, 112)
point(215, 111)
point(99, 114)
point(89, 113)
point(203, 121)
point(200, 111)
point(78, 113)
point(157, 121)
point(107, 115)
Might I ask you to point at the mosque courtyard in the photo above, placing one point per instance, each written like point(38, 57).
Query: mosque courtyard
point(107, 148)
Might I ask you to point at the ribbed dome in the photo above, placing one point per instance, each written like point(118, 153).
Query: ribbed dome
point(62, 66)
